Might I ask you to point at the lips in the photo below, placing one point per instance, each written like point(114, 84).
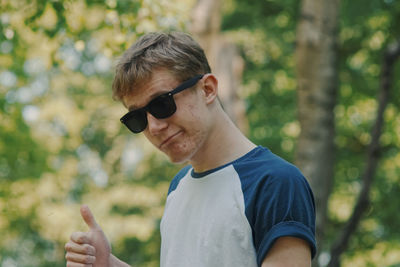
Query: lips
point(169, 139)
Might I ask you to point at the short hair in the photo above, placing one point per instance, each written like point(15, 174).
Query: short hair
point(177, 52)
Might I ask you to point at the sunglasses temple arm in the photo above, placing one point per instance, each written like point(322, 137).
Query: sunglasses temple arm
point(187, 84)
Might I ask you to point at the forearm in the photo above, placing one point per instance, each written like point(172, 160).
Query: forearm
point(115, 262)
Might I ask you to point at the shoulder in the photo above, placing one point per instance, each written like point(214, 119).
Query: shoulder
point(178, 177)
point(262, 167)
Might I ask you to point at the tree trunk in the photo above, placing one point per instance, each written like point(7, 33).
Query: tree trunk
point(373, 155)
point(316, 66)
point(223, 57)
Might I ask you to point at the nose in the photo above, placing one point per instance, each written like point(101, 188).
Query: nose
point(154, 125)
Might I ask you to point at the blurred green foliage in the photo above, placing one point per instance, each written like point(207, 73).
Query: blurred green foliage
point(61, 143)
point(265, 31)
point(61, 140)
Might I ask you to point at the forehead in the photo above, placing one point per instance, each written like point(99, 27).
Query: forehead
point(161, 81)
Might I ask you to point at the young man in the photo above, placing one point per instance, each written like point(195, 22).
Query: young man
point(236, 204)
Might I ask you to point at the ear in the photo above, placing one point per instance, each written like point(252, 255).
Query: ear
point(210, 88)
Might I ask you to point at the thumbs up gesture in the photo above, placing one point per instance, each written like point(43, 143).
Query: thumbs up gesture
point(90, 249)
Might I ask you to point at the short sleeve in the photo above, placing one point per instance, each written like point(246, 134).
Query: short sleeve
point(283, 206)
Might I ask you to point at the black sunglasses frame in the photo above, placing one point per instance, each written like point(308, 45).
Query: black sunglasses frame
point(169, 109)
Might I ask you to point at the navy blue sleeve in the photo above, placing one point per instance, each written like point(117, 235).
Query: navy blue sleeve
point(284, 207)
point(279, 202)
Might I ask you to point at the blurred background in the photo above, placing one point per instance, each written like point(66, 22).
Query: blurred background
point(315, 81)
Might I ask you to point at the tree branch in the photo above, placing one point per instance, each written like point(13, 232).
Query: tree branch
point(373, 154)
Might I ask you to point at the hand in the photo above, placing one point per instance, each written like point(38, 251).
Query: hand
point(88, 249)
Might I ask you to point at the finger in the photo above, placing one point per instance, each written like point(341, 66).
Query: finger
point(88, 217)
point(80, 248)
point(80, 238)
point(80, 258)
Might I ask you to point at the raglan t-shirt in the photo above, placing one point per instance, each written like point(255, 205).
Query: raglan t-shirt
point(231, 215)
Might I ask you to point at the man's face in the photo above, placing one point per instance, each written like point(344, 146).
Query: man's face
point(184, 133)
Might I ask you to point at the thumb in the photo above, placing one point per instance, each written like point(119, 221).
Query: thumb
point(89, 218)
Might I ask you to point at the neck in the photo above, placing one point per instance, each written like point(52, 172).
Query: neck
point(224, 144)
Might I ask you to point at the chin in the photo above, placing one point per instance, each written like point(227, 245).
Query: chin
point(181, 152)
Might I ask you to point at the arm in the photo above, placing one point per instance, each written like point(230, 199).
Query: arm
point(288, 251)
point(287, 215)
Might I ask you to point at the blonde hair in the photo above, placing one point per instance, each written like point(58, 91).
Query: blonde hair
point(177, 52)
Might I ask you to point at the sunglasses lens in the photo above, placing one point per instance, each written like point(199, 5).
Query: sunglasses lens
point(162, 107)
point(135, 121)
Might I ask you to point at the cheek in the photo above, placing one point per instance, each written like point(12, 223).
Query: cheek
point(194, 113)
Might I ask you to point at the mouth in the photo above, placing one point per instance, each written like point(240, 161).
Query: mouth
point(169, 139)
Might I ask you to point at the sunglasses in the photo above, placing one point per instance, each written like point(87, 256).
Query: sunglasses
point(161, 107)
